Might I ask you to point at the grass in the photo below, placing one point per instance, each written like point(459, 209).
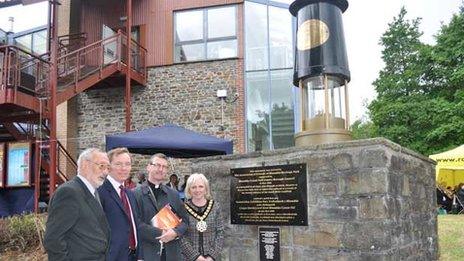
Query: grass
point(451, 237)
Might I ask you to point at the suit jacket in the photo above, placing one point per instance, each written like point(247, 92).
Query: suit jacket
point(212, 239)
point(149, 207)
point(76, 227)
point(118, 221)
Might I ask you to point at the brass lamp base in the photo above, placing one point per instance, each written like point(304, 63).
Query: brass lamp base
point(306, 138)
point(315, 131)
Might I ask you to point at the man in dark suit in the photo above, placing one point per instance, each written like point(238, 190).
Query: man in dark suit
point(76, 227)
point(120, 208)
point(151, 197)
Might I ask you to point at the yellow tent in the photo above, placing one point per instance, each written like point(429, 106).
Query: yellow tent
point(450, 167)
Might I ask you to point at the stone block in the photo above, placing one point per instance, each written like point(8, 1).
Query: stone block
point(382, 256)
point(328, 189)
point(373, 208)
point(332, 213)
point(342, 161)
point(367, 236)
point(373, 158)
point(286, 253)
point(317, 239)
point(286, 236)
point(406, 191)
point(243, 242)
point(365, 181)
point(322, 176)
point(243, 253)
point(323, 255)
point(318, 163)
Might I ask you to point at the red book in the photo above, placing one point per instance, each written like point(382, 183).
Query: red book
point(166, 218)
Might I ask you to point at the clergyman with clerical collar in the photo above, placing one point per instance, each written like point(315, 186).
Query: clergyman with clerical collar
point(151, 197)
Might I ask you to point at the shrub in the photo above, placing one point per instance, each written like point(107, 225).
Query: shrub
point(21, 233)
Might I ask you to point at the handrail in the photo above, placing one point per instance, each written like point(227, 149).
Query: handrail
point(88, 46)
point(68, 156)
point(138, 44)
point(24, 70)
point(38, 57)
point(132, 40)
point(138, 55)
point(82, 35)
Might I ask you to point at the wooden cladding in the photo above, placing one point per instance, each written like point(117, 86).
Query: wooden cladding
point(161, 27)
point(155, 19)
point(109, 12)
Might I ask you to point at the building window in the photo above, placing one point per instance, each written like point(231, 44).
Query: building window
point(203, 34)
point(268, 77)
point(34, 42)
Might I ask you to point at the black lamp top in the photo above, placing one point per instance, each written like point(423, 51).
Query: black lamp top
point(298, 4)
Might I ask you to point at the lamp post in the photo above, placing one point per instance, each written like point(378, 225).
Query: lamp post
point(321, 71)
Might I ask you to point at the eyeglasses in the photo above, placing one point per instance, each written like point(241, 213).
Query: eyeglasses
point(101, 166)
point(120, 165)
point(156, 165)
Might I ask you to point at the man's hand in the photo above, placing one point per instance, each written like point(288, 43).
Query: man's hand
point(167, 235)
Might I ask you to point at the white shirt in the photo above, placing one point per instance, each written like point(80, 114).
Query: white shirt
point(87, 184)
point(116, 186)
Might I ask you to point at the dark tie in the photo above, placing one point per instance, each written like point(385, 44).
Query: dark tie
point(125, 203)
point(97, 197)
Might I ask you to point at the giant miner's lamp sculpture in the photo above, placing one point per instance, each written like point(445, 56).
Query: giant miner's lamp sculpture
point(321, 71)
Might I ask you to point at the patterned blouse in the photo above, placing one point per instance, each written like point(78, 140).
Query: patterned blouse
point(208, 243)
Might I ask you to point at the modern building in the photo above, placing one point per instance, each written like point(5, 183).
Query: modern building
point(220, 67)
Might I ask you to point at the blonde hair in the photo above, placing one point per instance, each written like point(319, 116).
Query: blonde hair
point(192, 180)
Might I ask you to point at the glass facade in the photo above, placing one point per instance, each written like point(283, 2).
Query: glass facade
point(35, 42)
point(202, 34)
point(268, 77)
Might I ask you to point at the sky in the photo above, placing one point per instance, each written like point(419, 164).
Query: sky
point(364, 23)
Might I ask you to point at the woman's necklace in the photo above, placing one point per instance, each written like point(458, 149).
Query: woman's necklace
point(201, 224)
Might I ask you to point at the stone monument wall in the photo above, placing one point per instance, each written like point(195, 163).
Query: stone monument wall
point(366, 200)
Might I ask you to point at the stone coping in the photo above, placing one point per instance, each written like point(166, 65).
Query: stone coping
point(321, 147)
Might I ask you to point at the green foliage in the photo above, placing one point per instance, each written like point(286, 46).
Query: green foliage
point(21, 233)
point(420, 102)
point(363, 130)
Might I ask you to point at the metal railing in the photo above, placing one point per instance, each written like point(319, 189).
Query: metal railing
point(66, 164)
point(70, 42)
point(138, 55)
point(80, 63)
point(20, 69)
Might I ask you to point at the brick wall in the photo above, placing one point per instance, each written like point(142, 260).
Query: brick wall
point(182, 94)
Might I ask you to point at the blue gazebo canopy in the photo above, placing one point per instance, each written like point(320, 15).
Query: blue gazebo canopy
point(172, 140)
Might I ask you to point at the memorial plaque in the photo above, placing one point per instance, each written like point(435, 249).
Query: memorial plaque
point(269, 243)
point(271, 195)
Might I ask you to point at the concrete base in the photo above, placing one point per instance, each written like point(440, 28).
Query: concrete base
point(367, 200)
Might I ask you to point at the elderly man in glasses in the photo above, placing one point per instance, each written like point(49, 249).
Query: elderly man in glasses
point(151, 197)
point(77, 228)
point(120, 208)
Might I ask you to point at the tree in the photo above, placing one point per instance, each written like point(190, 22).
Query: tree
point(363, 130)
point(420, 102)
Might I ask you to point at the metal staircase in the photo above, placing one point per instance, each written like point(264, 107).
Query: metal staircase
point(25, 92)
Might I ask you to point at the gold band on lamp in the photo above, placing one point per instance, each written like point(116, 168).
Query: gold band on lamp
point(315, 131)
